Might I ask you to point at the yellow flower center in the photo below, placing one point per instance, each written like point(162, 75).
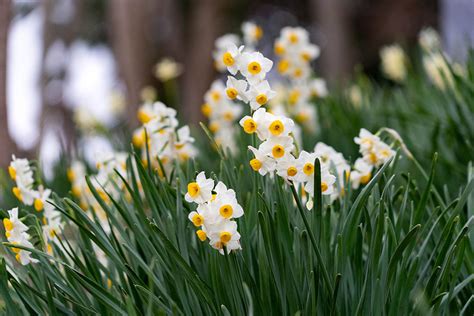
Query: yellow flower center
point(214, 127)
point(179, 145)
point(258, 33)
point(278, 151)
point(138, 139)
point(226, 210)
point(70, 174)
point(231, 93)
point(250, 126)
point(306, 56)
point(279, 49)
point(206, 110)
point(16, 191)
point(255, 164)
point(183, 156)
point(12, 172)
point(143, 117)
point(291, 171)
point(38, 205)
point(197, 220)
point(373, 158)
point(298, 73)
point(8, 224)
point(201, 235)
point(308, 168)
point(228, 116)
point(324, 186)
point(302, 117)
point(276, 128)
point(283, 66)
point(294, 97)
point(254, 68)
point(227, 59)
point(193, 189)
point(293, 38)
point(76, 191)
point(365, 178)
point(215, 95)
point(225, 237)
point(261, 99)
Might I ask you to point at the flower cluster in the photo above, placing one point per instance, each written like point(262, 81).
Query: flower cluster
point(166, 141)
point(394, 62)
point(37, 196)
point(16, 233)
point(222, 114)
point(295, 52)
point(217, 206)
point(374, 151)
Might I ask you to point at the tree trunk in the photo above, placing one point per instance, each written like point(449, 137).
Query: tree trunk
point(333, 20)
point(7, 146)
point(131, 36)
point(204, 28)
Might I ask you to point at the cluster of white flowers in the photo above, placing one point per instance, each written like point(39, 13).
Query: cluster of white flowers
point(394, 62)
point(25, 191)
point(374, 151)
point(222, 114)
point(16, 233)
point(296, 53)
point(217, 207)
point(166, 141)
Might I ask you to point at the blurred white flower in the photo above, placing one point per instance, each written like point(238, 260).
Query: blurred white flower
point(168, 69)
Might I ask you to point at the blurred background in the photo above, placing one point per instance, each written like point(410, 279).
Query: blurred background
point(69, 63)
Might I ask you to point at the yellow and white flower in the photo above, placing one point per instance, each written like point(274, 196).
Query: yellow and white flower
point(254, 66)
point(262, 162)
point(252, 33)
point(260, 94)
point(277, 147)
point(429, 40)
point(318, 88)
point(361, 174)
point(236, 89)
point(394, 62)
point(200, 191)
point(231, 56)
point(168, 69)
point(16, 233)
point(288, 168)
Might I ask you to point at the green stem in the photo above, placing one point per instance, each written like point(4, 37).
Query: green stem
point(312, 239)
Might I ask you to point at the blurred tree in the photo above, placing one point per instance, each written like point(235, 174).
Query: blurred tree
point(131, 34)
point(7, 145)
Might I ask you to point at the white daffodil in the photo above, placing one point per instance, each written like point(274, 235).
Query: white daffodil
point(260, 94)
point(327, 183)
point(15, 231)
point(158, 111)
point(277, 147)
point(236, 89)
point(201, 190)
point(394, 62)
point(366, 140)
point(318, 88)
point(254, 66)
point(14, 228)
point(429, 40)
point(230, 57)
point(252, 33)
point(226, 202)
point(257, 123)
point(305, 114)
point(184, 136)
point(215, 94)
point(262, 163)
point(361, 173)
point(20, 171)
point(294, 36)
point(168, 69)
point(438, 71)
point(305, 162)
point(221, 45)
point(279, 126)
point(224, 234)
point(309, 52)
point(288, 167)
point(379, 154)
point(41, 199)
